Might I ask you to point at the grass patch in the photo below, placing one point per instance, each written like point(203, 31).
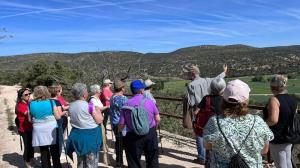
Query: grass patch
point(177, 88)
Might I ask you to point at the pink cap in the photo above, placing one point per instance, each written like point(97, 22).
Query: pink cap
point(236, 91)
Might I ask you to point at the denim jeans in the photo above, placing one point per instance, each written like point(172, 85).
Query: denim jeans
point(200, 148)
point(88, 161)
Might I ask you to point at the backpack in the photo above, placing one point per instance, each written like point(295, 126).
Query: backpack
point(187, 114)
point(139, 118)
point(202, 117)
point(237, 160)
point(292, 134)
point(17, 123)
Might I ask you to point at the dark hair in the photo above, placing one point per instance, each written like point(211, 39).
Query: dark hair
point(135, 91)
point(20, 94)
point(53, 90)
point(236, 109)
point(118, 89)
point(149, 87)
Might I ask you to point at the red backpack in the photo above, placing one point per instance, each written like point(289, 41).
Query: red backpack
point(202, 117)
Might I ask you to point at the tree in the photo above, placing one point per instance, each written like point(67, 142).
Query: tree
point(3, 34)
point(42, 73)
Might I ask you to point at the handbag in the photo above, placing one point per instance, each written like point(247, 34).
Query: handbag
point(293, 132)
point(187, 114)
point(237, 160)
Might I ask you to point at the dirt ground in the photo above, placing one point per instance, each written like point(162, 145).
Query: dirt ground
point(173, 154)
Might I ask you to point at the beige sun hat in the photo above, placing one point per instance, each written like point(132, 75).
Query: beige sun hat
point(191, 68)
point(149, 83)
point(107, 81)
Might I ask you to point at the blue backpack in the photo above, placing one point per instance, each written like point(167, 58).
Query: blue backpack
point(139, 118)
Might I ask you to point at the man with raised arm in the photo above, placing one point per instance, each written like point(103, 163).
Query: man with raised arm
point(196, 90)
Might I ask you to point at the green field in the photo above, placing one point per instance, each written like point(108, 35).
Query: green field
point(176, 88)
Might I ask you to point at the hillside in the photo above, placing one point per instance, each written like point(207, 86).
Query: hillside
point(242, 60)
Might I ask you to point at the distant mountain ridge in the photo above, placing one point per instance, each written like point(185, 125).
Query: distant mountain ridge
point(241, 59)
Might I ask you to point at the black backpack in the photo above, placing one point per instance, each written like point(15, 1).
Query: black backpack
point(237, 160)
point(17, 124)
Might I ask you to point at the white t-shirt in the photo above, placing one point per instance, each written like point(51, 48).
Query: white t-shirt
point(96, 102)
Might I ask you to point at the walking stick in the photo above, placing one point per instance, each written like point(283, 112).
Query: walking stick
point(105, 147)
point(160, 137)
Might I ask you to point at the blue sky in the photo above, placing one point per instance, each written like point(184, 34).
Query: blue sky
point(144, 25)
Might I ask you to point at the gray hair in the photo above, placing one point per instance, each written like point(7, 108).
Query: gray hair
point(217, 86)
point(78, 90)
point(94, 88)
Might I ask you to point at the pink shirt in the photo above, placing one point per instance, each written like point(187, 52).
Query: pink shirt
point(105, 96)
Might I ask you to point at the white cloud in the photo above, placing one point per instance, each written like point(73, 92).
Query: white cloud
point(38, 10)
point(295, 13)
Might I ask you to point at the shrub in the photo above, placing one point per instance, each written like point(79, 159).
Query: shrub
point(292, 76)
point(260, 78)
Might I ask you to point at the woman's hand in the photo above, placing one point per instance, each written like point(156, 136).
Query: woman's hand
point(196, 111)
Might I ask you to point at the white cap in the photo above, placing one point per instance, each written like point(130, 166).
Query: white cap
point(107, 81)
point(236, 91)
point(149, 83)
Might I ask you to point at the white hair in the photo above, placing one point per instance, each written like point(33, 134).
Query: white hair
point(78, 90)
point(94, 88)
point(217, 86)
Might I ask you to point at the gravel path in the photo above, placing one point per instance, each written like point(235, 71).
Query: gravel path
point(173, 155)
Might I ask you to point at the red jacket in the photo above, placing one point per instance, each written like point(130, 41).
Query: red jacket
point(25, 125)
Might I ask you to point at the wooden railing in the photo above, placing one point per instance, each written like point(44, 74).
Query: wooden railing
point(255, 107)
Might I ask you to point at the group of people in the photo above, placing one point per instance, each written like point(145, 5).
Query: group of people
point(42, 122)
point(219, 115)
point(224, 127)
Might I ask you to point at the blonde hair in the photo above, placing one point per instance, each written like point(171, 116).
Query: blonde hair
point(41, 92)
point(278, 83)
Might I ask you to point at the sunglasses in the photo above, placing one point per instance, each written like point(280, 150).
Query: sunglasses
point(27, 94)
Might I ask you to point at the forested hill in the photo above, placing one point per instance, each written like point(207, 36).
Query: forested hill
point(242, 60)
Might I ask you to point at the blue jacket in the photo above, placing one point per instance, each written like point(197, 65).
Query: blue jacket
point(84, 141)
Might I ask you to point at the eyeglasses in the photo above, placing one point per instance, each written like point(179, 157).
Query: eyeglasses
point(27, 94)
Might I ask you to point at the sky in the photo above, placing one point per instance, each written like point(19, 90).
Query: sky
point(71, 26)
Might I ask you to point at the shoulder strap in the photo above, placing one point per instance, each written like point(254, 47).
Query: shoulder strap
point(127, 108)
point(90, 98)
point(227, 141)
point(51, 103)
point(142, 102)
point(207, 103)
